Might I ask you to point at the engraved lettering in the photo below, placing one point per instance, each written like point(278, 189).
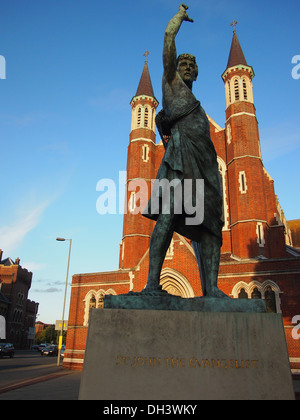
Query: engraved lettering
point(207, 363)
point(215, 363)
point(192, 362)
point(224, 364)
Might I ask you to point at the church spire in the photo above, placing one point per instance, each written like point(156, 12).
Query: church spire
point(238, 74)
point(143, 104)
point(140, 171)
point(145, 85)
point(236, 55)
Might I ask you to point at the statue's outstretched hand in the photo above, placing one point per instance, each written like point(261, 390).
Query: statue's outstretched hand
point(183, 7)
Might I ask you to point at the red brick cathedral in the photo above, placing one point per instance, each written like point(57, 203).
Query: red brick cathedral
point(257, 260)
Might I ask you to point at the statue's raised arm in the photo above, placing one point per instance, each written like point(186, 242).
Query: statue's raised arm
point(189, 156)
point(169, 52)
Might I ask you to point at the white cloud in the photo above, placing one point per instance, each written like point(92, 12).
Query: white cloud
point(49, 290)
point(33, 266)
point(12, 235)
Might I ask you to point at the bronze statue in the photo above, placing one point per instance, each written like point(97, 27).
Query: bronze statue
point(189, 155)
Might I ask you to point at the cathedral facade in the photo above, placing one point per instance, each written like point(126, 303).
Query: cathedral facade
point(257, 260)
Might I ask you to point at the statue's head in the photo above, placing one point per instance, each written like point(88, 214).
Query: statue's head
point(187, 68)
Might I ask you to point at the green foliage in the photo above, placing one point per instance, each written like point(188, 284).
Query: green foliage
point(49, 335)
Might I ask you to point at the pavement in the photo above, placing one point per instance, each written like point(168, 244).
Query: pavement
point(60, 385)
point(63, 385)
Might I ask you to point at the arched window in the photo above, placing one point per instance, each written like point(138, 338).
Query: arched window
point(139, 117)
point(242, 182)
point(243, 294)
point(152, 118)
point(256, 294)
point(132, 202)
point(94, 299)
point(101, 300)
point(229, 91)
point(222, 172)
point(146, 117)
point(92, 303)
point(260, 235)
point(268, 290)
point(228, 132)
point(245, 93)
point(175, 283)
point(270, 299)
point(145, 153)
point(236, 90)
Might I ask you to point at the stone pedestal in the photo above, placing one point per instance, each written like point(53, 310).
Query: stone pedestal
point(164, 301)
point(185, 355)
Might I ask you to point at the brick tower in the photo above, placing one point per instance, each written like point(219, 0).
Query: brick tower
point(140, 170)
point(253, 221)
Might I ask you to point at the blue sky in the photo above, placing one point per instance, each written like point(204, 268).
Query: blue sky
point(72, 67)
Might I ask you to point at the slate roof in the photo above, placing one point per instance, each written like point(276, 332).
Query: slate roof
point(145, 85)
point(236, 55)
point(7, 262)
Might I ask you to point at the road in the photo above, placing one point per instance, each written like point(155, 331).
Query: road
point(27, 376)
point(25, 365)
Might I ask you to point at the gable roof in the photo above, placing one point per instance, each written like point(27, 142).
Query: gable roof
point(7, 262)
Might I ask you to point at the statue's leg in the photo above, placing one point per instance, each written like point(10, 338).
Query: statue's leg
point(159, 243)
point(208, 258)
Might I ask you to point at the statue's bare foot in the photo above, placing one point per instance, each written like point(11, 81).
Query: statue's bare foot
point(153, 290)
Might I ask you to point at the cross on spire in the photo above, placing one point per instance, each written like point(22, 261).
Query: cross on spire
point(233, 24)
point(146, 55)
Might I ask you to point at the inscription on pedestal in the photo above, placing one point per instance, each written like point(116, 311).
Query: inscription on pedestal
point(182, 362)
point(180, 355)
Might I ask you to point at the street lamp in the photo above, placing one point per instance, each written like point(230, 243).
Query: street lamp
point(63, 314)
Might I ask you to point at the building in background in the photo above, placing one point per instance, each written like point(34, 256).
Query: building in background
point(19, 312)
point(294, 229)
point(258, 258)
point(40, 326)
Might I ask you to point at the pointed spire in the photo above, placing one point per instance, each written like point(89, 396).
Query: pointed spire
point(145, 85)
point(236, 55)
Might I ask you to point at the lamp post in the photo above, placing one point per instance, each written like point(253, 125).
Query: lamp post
point(63, 314)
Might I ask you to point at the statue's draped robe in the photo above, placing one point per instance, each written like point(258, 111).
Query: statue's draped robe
point(189, 154)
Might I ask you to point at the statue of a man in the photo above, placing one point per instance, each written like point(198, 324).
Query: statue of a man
point(189, 155)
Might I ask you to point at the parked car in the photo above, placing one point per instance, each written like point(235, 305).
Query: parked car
point(42, 346)
point(7, 349)
point(50, 351)
point(62, 350)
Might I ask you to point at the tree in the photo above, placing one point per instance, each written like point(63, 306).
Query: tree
point(48, 335)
